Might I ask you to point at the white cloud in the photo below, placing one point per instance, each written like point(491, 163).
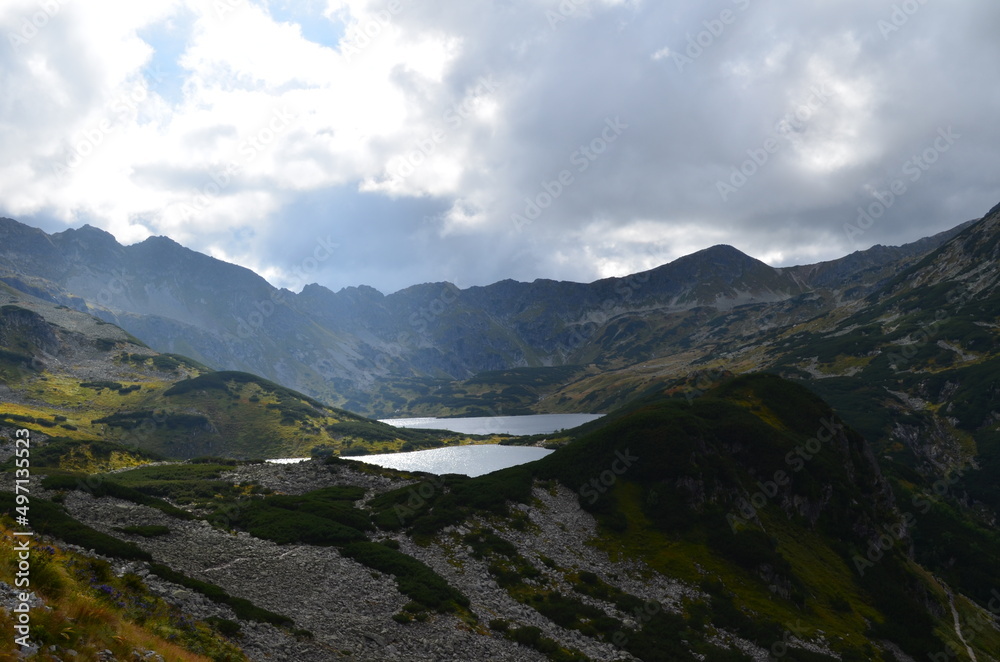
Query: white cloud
point(429, 124)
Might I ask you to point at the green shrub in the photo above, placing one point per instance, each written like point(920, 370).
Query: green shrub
point(504, 578)
point(243, 608)
point(136, 419)
point(529, 635)
point(224, 626)
point(413, 577)
point(99, 486)
point(486, 542)
point(164, 362)
point(50, 519)
point(214, 460)
point(285, 526)
point(101, 385)
point(499, 625)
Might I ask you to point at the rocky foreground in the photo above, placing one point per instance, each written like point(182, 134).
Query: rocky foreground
point(348, 607)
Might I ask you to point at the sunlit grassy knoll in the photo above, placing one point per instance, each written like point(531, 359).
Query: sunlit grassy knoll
point(222, 413)
point(82, 459)
point(77, 406)
point(68, 391)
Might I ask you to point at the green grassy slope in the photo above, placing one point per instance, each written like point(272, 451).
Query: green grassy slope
point(72, 376)
point(756, 492)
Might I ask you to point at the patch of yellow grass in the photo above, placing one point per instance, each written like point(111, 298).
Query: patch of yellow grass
point(74, 618)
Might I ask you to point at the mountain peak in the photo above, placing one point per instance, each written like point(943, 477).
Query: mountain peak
point(723, 251)
point(87, 228)
point(86, 232)
point(720, 254)
point(160, 240)
point(315, 289)
point(366, 291)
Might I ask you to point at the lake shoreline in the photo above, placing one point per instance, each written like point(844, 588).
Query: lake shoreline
point(517, 426)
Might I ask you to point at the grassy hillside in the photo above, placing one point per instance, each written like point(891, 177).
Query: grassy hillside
point(755, 495)
point(512, 392)
point(736, 493)
point(92, 610)
point(74, 377)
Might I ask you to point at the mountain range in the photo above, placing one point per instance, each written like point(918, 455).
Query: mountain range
point(796, 464)
point(382, 355)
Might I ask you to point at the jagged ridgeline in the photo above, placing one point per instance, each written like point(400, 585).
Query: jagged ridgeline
point(76, 377)
point(395, 354)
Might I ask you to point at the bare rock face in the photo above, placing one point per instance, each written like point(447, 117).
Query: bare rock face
point(26, 330)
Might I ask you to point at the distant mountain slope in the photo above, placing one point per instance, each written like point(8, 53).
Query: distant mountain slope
point(371, 353)
point(925, 344)
point(860, 271)
point(68, 374)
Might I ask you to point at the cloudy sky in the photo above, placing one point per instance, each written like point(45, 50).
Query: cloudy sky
point(393, 142)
